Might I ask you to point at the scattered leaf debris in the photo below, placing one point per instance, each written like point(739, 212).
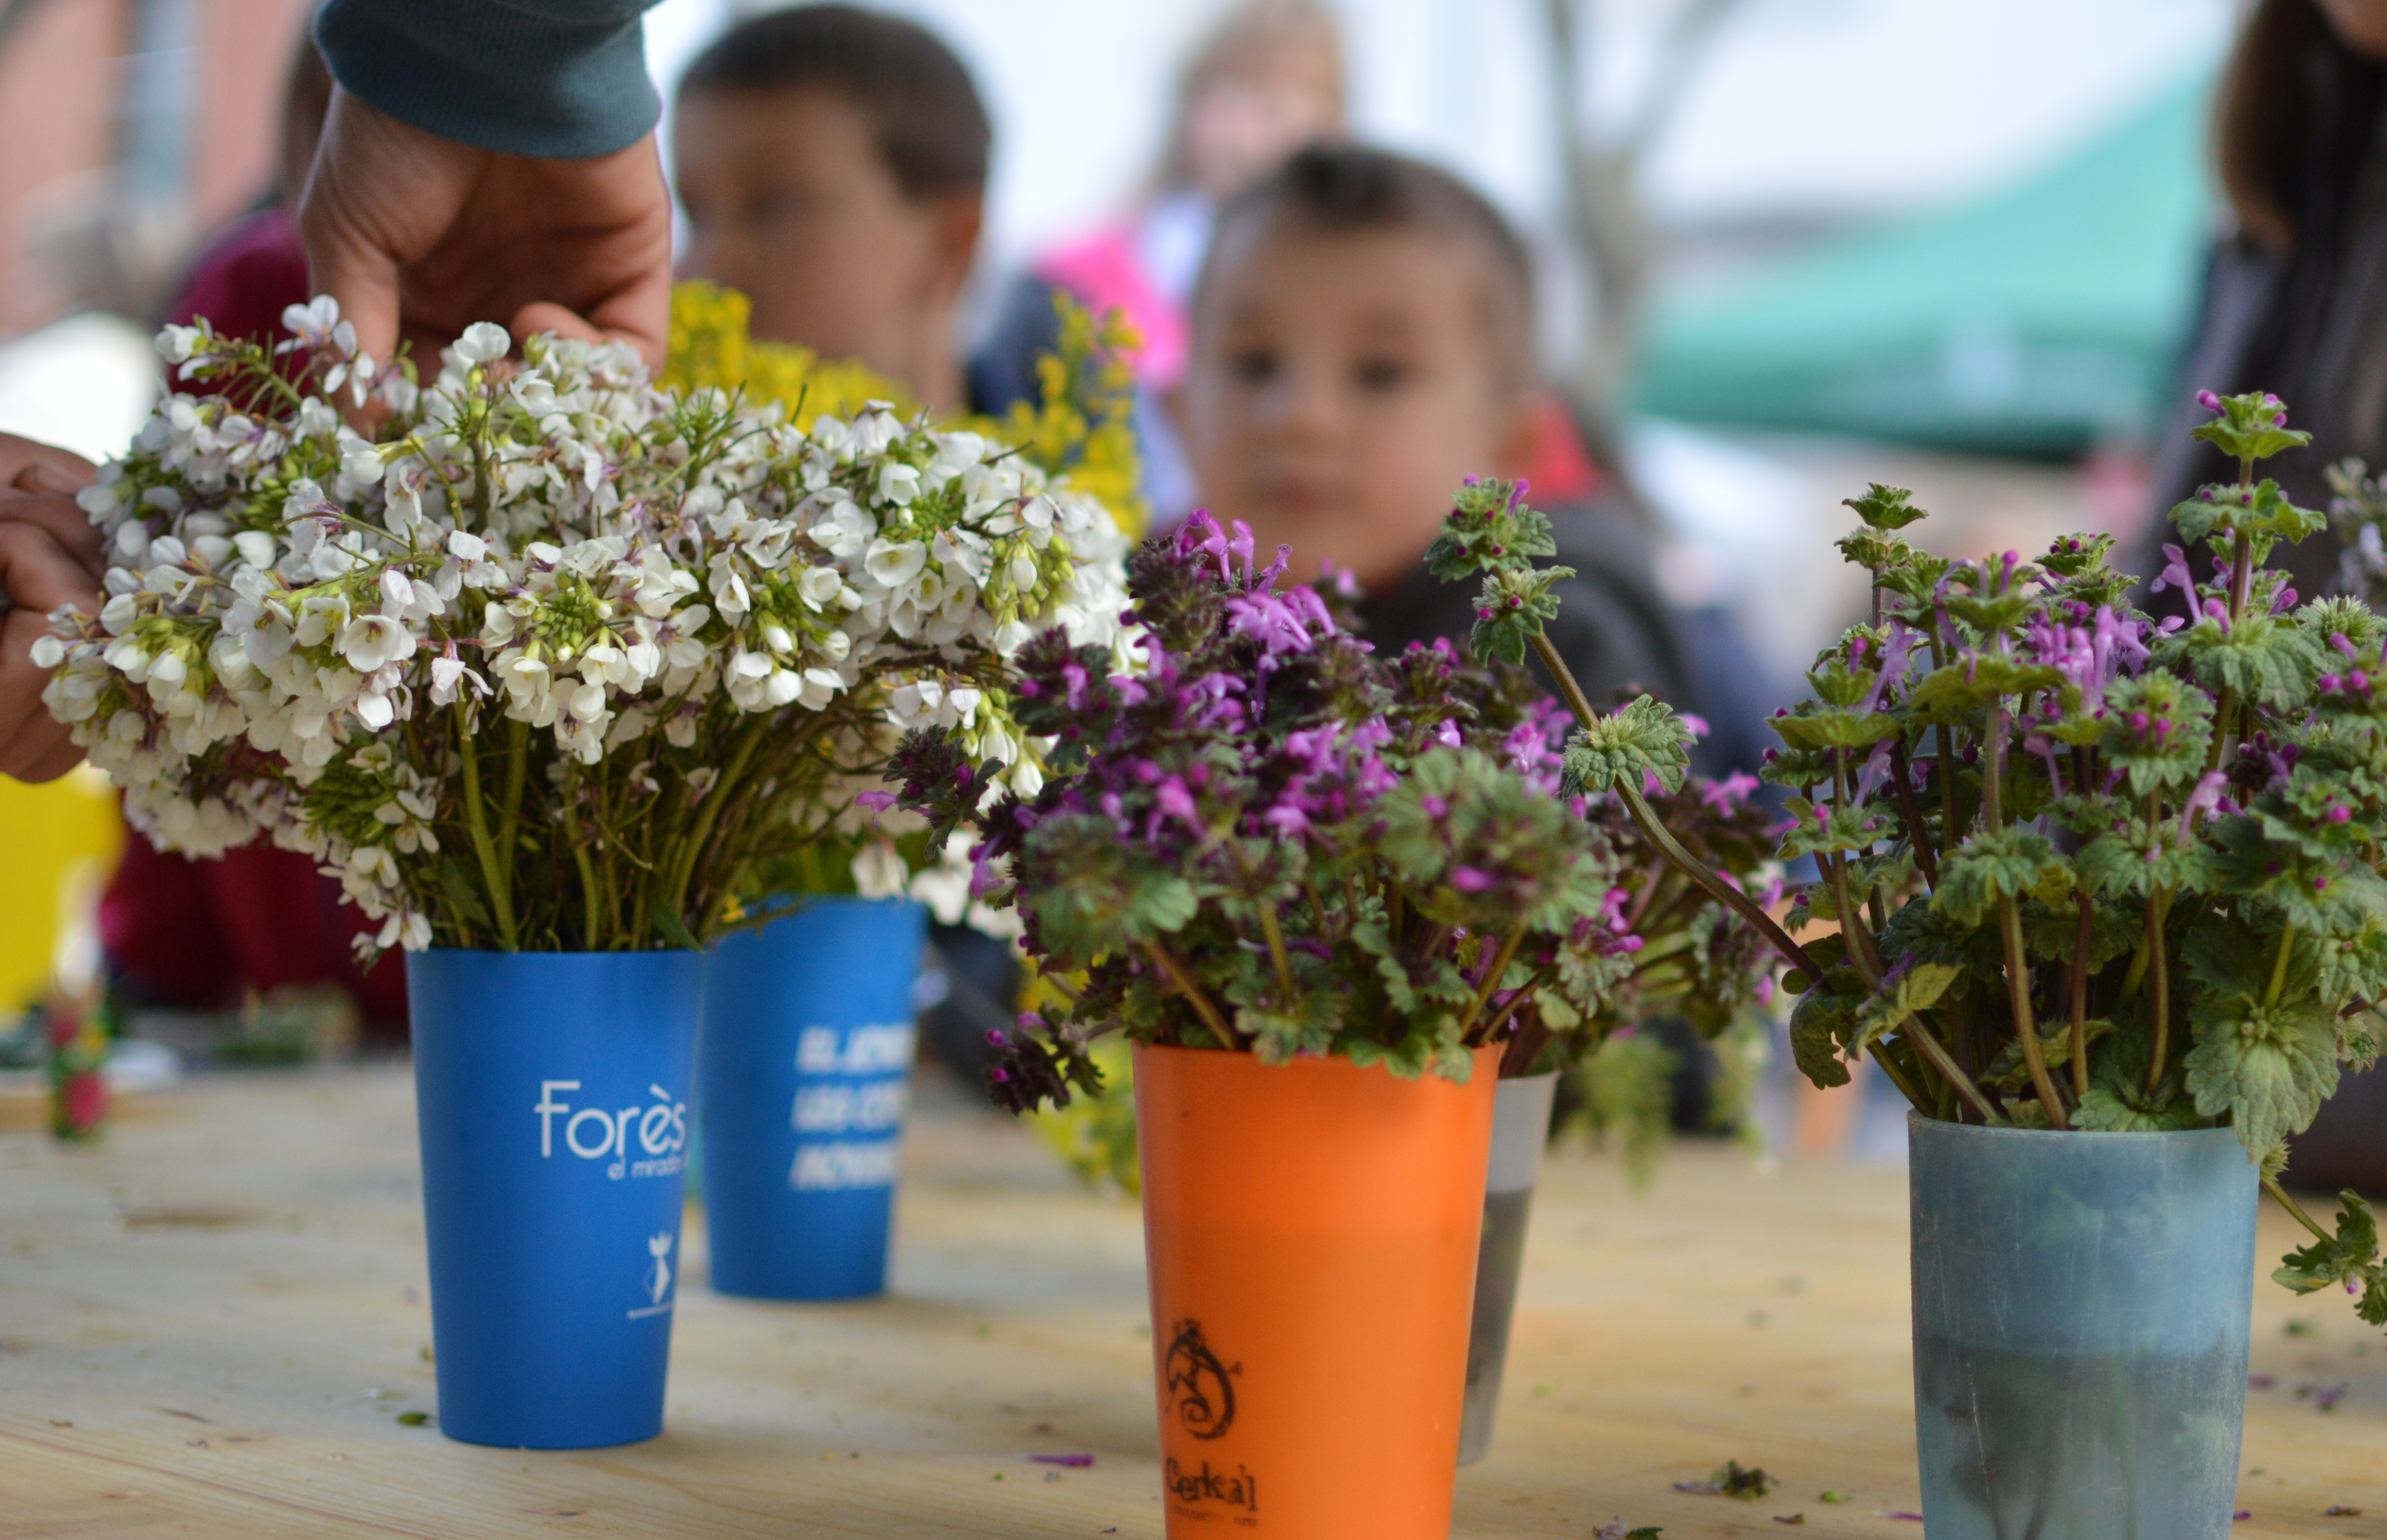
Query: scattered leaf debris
point(174, 1411)
point(1614, 1530)
point(1789, 1518)
point(2260, 1382)
point(2339, 1510)
point(1731, 1480)
point(1075, 1462)
point(412, 1418)
point(1830, 1495)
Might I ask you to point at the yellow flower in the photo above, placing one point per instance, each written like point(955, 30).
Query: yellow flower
point(1083, 429)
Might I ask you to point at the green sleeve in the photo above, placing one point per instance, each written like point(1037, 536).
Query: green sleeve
point(557, 79)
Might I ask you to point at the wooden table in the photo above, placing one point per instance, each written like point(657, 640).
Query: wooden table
point(211, 1325)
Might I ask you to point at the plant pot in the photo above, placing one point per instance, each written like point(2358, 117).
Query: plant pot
point(1311, 1232)
point(550, 1094)
point(2081, 1309)
point(1521, 1128)
point(802, 1072)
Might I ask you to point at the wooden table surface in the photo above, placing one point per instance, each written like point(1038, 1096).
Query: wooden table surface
point(211, 1324)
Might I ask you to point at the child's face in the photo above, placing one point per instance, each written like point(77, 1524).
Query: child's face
point(1341, 388)
point(790, 203)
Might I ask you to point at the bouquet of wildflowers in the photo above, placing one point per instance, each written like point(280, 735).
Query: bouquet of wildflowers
point(2088, 871)
point(550, 659)
point(1267, 840)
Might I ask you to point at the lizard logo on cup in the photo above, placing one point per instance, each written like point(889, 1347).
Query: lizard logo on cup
point(659, 1127)
point(1199, 1383)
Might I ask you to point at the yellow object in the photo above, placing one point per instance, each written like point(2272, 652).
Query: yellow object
point(1084, 428)
point(59, 842)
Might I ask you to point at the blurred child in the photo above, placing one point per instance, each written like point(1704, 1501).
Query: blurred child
point(832, 164)
point(1362, 342)
point(1266, 80)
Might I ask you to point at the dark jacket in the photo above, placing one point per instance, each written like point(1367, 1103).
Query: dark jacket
point(557, 78)
point(1615, 628)
point(2308, 324)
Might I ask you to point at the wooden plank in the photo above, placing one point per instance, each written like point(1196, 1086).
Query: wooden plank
point(210, 1325)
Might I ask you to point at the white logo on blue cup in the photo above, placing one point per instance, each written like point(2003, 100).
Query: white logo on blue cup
point(658, 1128)
point(861, 1108)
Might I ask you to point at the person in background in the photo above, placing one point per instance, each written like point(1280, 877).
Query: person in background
point(201, 935)
point(1267, 81)
point(1361, 344)
point(2295, 303)
point(2295, 296)
point(832, 164)
point(481, 157)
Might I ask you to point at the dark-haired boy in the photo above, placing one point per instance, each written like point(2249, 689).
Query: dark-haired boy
point(832, 164)
point(1362, 342)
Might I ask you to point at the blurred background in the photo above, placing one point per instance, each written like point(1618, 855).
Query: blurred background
point(1786, 246)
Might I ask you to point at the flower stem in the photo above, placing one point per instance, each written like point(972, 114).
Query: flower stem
point(1941, 1060)
point(1192, 992)
point(2159, 974)
point(476, 819)
point(1491, 979)
point(1275, 935)
point(2026, 1025)
point(2280, 966)
point(2288, 1202)
point(2081, 1001)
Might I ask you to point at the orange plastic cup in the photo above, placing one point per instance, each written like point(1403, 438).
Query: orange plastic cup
point(1311, 1232)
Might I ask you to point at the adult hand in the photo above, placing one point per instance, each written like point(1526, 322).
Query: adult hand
point(419, 236)
point(38, 575)
point(37, 487)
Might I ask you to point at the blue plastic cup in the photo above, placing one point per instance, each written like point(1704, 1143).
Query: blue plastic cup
point(551, 1095)
point(802, 1075)
point(2081, 1309)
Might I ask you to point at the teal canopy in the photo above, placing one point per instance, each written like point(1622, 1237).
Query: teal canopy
point(2038, 320)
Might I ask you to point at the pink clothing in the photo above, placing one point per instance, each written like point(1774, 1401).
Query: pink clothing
point(1105, 271)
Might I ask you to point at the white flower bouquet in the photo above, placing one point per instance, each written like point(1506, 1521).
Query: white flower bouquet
point(550, 659)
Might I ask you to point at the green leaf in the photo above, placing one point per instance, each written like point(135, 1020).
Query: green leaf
point(1997, 865)
point(674, 928)
point(458, 885)
point(1627, 745)
point(2252, 426)
point(1819, 1027)
point(1489, 528)
point(1910, 989)
point(2352, 1250)
point(2267, 1068)
point(1514, 607)
point(1949, 693)
point(2265, 657)
point(1885, 507)
point(2158, 728)
point(1813, 830)
point(1813, 725)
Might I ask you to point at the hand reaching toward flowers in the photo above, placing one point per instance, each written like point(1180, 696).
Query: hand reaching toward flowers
point(418, 236)
point(37, 487)
point(38, 575)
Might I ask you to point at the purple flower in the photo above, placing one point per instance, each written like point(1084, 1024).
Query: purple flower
point(1448, 734)
point(2208, 400)
point(2174, 570)
point(1467, 879)
point(1729, 793)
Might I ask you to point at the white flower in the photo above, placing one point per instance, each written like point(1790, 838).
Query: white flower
point(482, 342)
point(369, 641)
point(897, 482)
point(893, 563)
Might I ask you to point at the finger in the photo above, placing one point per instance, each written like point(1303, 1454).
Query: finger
point(38, 576)
point(542, 316)
point(346, 259)
point(64, 522)
point(32, 466)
